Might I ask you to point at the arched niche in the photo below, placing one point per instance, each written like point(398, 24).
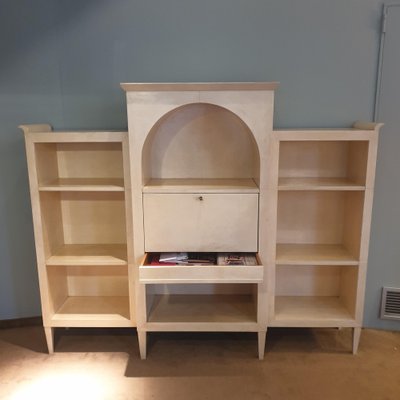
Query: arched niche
point(200, 140)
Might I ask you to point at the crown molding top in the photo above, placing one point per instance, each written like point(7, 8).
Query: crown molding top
point(198, 86)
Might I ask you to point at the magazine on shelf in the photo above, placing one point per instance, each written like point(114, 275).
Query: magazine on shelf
point(200, 259)
point(237, 259)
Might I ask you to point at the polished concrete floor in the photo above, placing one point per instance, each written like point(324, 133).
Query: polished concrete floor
point(104, 364)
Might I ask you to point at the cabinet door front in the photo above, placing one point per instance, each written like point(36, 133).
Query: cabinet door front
point(200, 222)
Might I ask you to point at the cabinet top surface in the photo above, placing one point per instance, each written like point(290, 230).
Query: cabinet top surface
point(197, 86)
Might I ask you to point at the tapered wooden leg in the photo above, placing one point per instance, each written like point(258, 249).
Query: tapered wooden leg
point(142, 337)
point(356, 339)
point(49, 332)
point(261, 344)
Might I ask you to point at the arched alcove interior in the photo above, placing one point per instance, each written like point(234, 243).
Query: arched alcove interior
point(200, 140)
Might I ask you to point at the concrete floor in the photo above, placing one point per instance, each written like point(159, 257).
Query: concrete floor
point(104, 364)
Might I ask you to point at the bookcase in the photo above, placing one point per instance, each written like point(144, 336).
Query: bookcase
point(79, 183)
point(324, 200)
point(202, 170)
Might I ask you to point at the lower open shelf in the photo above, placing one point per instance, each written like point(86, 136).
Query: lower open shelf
point(93, 311)
point(217, 312)
point(311, 311)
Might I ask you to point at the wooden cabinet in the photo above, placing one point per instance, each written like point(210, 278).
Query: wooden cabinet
point(200, 176)
point(202, 170)
point(80, 201)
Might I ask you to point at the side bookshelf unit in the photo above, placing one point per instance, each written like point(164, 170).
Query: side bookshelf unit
point(324, 198)
point(79, 184)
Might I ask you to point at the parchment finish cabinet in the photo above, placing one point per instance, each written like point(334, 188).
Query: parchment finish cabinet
point(201, 169)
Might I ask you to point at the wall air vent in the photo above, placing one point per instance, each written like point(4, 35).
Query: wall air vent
point(390, 308)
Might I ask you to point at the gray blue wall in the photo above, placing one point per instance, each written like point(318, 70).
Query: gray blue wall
point(62, 62)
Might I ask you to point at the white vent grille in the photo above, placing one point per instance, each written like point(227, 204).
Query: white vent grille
point(390, 308)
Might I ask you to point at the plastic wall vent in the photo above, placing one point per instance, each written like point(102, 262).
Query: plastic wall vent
point(390, 308)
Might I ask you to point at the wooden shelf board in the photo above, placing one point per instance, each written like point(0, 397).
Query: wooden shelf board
point(311, 311)
point(201, 186)
point(83, 184)
point(93, 311)
point(209, 310)
point(89, 254)
point(318, 184)
point(313, 254)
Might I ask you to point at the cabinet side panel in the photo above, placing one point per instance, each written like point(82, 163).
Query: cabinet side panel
point(360, 292)
point(52, 222)
point(358, 158)
point(132, 268)
point(368, 201)
point(348, 288)
point(353, 216)
point(58, 288)
point(46, 161)
point(38, 221)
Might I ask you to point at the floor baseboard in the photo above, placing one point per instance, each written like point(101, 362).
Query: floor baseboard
point(20, 322)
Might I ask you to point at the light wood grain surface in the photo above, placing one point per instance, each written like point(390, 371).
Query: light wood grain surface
point(202, 170)
point(199, 86)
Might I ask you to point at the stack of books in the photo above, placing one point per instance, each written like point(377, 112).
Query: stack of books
point(203, 259)
point(236, 259)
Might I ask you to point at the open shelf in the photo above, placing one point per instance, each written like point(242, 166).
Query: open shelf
point(200, 273)
point(84, 228)
point(311, 311)
point(93, 311)
point(186, 185)
point(83, 184)
point(322, 165)
point(315, 295)
point(89, 295)
point(86, 254)
point(202, 312)
point(313, 254)
point(79, 166)
point(319, 227)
